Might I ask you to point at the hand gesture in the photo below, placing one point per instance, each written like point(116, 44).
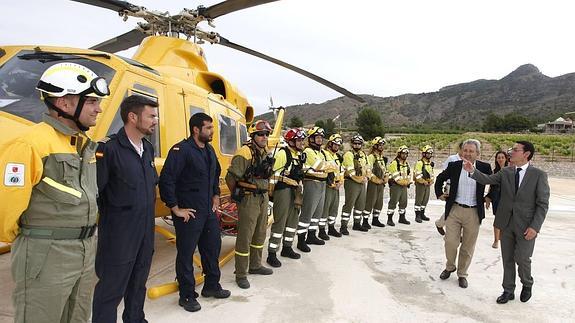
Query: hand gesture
point(468, 166)
point(186, 214)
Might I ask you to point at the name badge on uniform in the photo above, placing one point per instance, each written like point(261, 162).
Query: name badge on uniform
point(14, 175)
point(152, 163)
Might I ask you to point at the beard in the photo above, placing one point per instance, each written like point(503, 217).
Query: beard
point(205, 138)
point(143, 130)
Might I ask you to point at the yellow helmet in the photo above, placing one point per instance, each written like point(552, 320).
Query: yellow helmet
point(403, 149)
point(378, 141)
point(336, 139)
point(259, 126)
point(427, 149)
point(357, 139)
point(316, 131)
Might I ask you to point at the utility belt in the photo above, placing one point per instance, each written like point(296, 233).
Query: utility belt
point(55, 233)
point(314, 178)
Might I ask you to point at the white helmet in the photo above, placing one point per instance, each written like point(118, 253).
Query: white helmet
point(71, 78)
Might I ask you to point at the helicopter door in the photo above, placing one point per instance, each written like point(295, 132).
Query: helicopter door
point(193, 103)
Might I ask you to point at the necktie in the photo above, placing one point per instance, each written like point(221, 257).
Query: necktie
point(517, 179)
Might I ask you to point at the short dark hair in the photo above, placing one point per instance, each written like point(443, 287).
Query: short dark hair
point(197, 120)
point(527, 146)
point(136, 104)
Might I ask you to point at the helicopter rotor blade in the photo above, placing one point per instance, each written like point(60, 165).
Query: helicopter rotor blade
point(114, 5)
point(128, 40)
point(229, 6)
point(225, 42)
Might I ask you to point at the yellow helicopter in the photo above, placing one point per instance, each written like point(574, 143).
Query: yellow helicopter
point(169, 67)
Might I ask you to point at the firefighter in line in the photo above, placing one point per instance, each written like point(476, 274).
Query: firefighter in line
point(376, 184)
point(248, 180)
point(399, 181)
point(314, 182)
point(48, 200)
point(287, 195)
point(333, 183)
point(356, 175)
point(424, 178)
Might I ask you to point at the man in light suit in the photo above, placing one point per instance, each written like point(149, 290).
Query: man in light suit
point(520, 215)
point(463, 211)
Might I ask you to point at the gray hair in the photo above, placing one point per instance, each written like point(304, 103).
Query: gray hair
point(473, 142)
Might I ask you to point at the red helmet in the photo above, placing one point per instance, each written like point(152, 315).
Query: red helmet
point(259, 126)
point(294, 133)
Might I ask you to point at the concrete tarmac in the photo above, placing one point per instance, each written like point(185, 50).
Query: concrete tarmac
point(388, 274)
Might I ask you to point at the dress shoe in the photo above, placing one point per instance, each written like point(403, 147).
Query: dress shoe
point(505, 297)
point(273, 260)
point(440, 230)
point(289, 253)
point(189, 304)
point(445, 274)
point(525, 294)
point(243, 282)
point(217, 293)
point(261, 271)
point(462, 282)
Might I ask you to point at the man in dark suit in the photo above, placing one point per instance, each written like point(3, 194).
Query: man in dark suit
point(520, 215)
point(463, 211)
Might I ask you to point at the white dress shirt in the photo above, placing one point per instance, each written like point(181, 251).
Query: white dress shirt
point(467, 189)
point(522, 172)
point(139, 148)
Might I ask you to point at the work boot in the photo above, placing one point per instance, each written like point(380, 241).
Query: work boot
point(272, 260)
point(357, 226)
point(390, 220)
point(312, 239)
point(343, 229)
point(261, 271)
point(322, 234)
point(417, 217)
point(301, 243)
point(333, 232)
point(365, 224)
point(289, 253)
point(403, 220)
point(375, 222)
point(242, 282)
point(423, 217)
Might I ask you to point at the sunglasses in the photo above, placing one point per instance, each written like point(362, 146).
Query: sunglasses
point(261, 134)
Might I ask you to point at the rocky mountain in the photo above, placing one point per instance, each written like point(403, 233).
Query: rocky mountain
point(526, 91)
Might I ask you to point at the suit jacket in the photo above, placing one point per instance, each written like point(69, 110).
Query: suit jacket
point(452, 172)
point(529, 206)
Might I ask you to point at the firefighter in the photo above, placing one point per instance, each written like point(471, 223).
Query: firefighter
point(313, 192)
point(287, 195)
point(48, 200)
point(248, 180)
point(333, 182)
point(356, 175)
point(424, 178)
point(374, 199)
point(400, 179)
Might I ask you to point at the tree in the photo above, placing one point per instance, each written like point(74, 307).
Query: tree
point(369, 124)
point(511, 122)
point(295, 122)
point(492, 123)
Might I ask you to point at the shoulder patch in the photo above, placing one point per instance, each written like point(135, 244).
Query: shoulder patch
point(14, 174)
point(104, 140)
point(176, 148)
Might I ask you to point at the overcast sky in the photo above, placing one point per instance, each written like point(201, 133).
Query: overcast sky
point(384, 48)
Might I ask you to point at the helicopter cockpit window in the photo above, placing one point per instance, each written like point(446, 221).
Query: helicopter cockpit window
point(228, 135)
point(243, 134)
point(20, 74)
